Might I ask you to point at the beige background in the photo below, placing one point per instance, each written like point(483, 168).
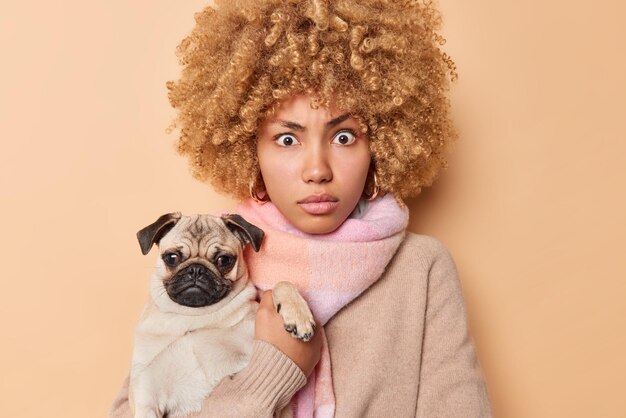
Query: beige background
point(532, 207)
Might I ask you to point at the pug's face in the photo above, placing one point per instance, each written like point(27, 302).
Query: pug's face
point(200, 260)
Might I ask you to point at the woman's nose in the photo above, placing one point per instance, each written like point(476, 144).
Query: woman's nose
point(316, 167)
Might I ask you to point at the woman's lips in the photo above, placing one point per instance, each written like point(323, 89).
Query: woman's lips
point(319, 208)
point(319, 204)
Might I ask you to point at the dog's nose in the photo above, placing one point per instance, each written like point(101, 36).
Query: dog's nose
point(197, 270)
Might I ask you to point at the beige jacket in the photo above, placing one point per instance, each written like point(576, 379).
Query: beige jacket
point(400, 349)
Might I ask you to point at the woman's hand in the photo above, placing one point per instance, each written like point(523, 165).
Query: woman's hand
point(269, 327)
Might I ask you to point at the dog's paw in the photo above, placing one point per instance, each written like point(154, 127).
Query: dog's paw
point(297, 316)
point(305, 332)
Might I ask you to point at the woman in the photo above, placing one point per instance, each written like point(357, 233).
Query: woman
point(322, 116)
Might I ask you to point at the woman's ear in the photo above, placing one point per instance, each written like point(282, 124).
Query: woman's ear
point(371, 189)
point(257, 186)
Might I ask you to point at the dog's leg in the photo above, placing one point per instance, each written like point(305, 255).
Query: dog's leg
point(143, 405)
point(294, 310)
point(146, 413)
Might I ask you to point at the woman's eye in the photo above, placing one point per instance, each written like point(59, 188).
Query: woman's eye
point(224, 261)
point(171, 259)
point(344, 138)
point(286, 140)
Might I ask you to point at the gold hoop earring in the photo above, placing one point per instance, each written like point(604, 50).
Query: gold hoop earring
point(375, 191)
point(255, 196)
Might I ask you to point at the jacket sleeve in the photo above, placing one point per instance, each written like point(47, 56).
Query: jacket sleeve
point(451, 381)
point(265, 386)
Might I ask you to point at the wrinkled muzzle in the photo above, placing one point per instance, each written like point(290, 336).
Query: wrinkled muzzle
point(197, 286)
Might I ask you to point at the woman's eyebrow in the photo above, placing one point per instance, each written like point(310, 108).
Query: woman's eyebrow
point(291, 125)
point(337, 120)
point(297, 127)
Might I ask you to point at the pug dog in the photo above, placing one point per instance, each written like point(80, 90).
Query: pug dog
point(198, 324)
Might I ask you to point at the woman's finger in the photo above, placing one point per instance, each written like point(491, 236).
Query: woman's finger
point(266, 300)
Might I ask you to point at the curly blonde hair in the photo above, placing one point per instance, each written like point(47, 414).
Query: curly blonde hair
point(379, 60)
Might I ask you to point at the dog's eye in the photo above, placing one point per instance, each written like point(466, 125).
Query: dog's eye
point(224, 261)
point(171, 259)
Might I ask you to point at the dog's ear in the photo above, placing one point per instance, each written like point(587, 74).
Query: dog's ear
point(154, 232)
point(244, 230)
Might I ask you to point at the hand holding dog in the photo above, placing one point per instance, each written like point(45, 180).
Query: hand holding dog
point(269, 327)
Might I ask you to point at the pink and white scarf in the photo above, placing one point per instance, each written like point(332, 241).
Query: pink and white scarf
point(329, 270)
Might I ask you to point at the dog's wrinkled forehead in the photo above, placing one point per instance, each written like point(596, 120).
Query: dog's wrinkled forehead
point(199, 235)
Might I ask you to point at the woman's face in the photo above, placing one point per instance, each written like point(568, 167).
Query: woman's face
point(314, 163)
